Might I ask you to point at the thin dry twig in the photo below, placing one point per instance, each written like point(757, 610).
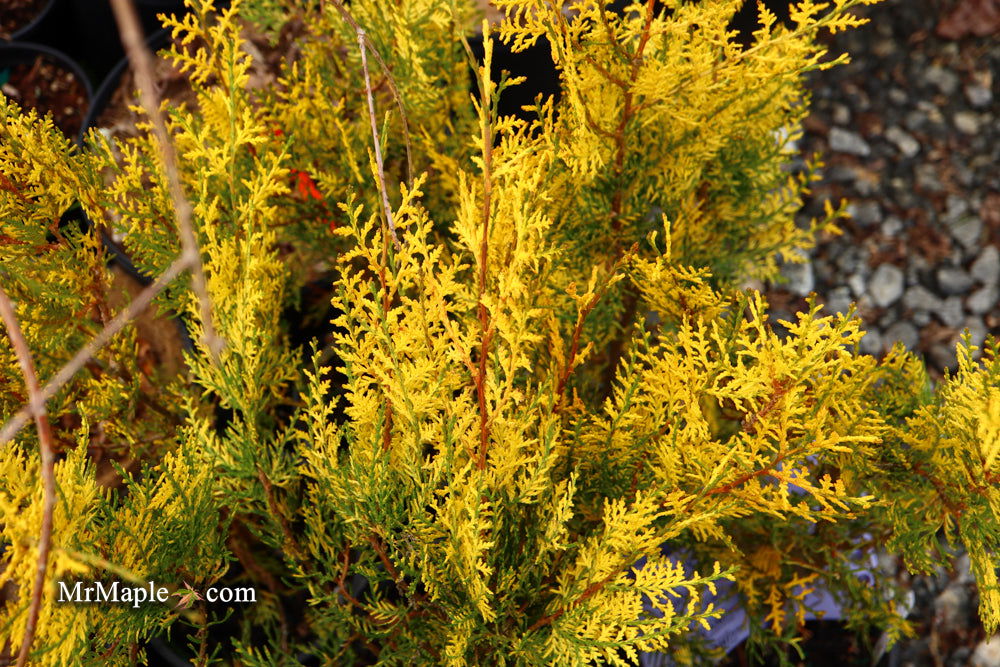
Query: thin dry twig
point(486, 325)
point(48, 461)
point(142, 65)
point(375, 139)
point(17, 422)
point(393, 88)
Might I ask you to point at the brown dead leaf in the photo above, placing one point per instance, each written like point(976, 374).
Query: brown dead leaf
point(978, 18)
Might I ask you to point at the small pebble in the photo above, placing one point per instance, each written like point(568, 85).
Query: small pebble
point(950, 609)
point(986, 268)
point(931, 110)
point(963, 569)
point(857, 284)
point(872, 343)
point(915, 120)
point(955, 208)
point(801, 280)
point(944, 79)
point(903, 332)
point(841, 114)
point(853, 259)
point(927, 177)
point(987, 653)
point(982, 300)
point(919, 297)
point(978, 96)
point(892, 226)
point(952, 280)
point(865, 213)
point(951, 313)
point(844, 141)
point(886, 285)
point(967, 231)
point(838, 300)
point(903, 140)
point(967, 122)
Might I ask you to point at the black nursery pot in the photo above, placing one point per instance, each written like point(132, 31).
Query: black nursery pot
point(16, 56)
point(31, 29)
point(91, 32)
point(112, 80)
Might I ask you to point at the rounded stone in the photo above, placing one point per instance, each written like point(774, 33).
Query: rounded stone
point(951, 313)
point(951, 610)
point(952, 280)
point(967, 231)
point(982, 300)
point(872, 343)
point(943, 79)
point(844, 141)
point(801, 280)
point(903, 332)
point(987, 653)
point(986, 268)
point(919, 297)
point(886, 285)
point(903, 140)
point(979, 96)
point(865, 213)
point(967, 122)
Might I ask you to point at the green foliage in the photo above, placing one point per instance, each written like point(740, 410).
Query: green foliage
point(552, 374)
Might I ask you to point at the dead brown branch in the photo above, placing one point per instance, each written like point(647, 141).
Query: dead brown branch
point(375, 139)
point(48, 461)
point(63, 375)
point(142, 65)
point(390, 80)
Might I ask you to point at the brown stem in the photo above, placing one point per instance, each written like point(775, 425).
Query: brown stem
point(575, 346)
point(142, 65)
point(591, 590)
point(15, 423)
point(48, 462)
point(387, 427)
point(393, 88)
point(272, 505)
point(955, 508)
point(341, 581)
point(389, 567)
point(378, 145)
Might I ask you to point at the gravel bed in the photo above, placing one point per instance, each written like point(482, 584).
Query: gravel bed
point(911, 134)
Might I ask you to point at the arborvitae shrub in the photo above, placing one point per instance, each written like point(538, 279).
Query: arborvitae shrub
point(548, 374)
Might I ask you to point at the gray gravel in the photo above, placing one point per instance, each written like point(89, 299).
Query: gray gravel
point(910, 131)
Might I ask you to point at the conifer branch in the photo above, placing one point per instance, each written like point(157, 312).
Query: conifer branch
point(48, 461)
point(142, 66)
point(80, 359)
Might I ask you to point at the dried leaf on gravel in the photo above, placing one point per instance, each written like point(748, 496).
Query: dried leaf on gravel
point(971, 17)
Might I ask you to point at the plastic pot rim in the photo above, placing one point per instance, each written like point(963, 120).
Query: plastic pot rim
point(32, 49)
point(31, 26)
